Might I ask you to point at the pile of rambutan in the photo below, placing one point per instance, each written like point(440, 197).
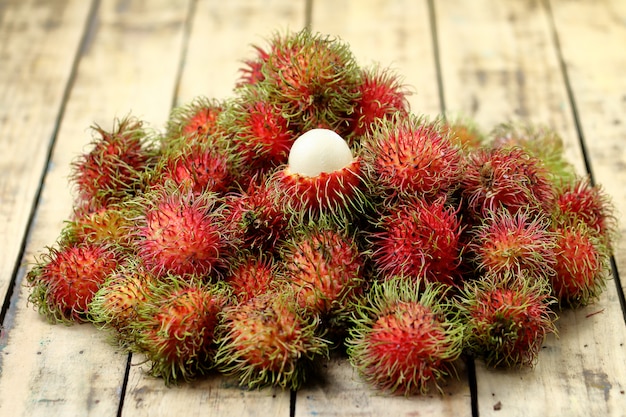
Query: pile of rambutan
point(314, 212)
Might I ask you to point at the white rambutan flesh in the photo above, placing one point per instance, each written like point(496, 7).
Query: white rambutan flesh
point(317, 151)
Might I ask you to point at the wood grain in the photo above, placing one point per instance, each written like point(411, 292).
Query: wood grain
point(129, 63)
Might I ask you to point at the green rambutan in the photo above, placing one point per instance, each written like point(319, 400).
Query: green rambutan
point(175, 327)
point(508, 178)
point(419, 239)
point(268, 341)
point(405, 337)
point(111, 170)
point(107, 225)
point(582, 261)
point(507, 317)
point(64, 280)
point(408, 156)
point(512, 243)
point(381, 96)
point(182, 234)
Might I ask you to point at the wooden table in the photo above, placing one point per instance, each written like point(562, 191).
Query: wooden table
point(66, 64)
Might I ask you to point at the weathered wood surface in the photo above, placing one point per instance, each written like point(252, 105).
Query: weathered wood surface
point(498, 61)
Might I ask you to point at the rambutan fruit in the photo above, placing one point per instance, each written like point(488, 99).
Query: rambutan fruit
point(540, 142)
point(107, 225)
point(257, 216)
point(175, 327)
point(251, 274)
point(419, 239)
point(322, 177)
point(405, 337)
point(252, 71)
point(259, 131)
point(182, 234)
point(382, 96)
point(512, 243)
point(268, 341)
point(464, 133)
point(579, 201)
point(64, 280)
point(409, 156)
point(508, 178)
point(114, 306)
point(196, 121)
point(198, 167)
point(507, 317)
point(324, 267)
point(312, 79)
point(111, 170)
point(582, 264)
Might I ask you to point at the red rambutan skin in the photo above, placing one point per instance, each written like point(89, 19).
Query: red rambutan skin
point(409, 156)
point(580, 201)
point(266, 341)
point(111, 170)
point(64, 280)
point(513, 243)
point(381, 96)
point(325, 268)
point(175, 329)
point(420, 240)
point(508, 178)
point(251, 276)
point(182, 234)
point(581, 266)
point(507, 319)
point(330, 192)
point(252, 71)
point(196, 121)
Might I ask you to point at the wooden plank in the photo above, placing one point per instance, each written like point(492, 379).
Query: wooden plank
point(592, 38)
point(397, 35)
point(35, 72)
point(129, 63)
point(499, 63)
point(220, 39)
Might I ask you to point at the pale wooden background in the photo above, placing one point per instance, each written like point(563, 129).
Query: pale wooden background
point(65, 64)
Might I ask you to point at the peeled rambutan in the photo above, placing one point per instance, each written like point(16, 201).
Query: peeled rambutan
point(257, 216)
point(111, 170)
point(322, 177)
point(175, 327)
point(419, 239)
point(114, 306)
point(64, 280)
point(268, 341)
point(508, 242)
point(581, 202)
point(508, 178)
point(251, 274)
point(325, 268)
point(382, 96)
point(507, 318)
point(581, 267)
point(180, 233)
point(313, 80)
point(405, 337)
point(409, 156)
point(196, 121)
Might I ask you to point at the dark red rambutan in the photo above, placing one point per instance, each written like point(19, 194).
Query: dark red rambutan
point(313, 80)
point(325, 268)
point(581, 202)
point(408, 156)
point(196, 121)
point(506, 243)
point(405, 337)
point(182, 234)
point(582, 265)
point(64, 280)
point(267, 341)
point(175, 327)
point(421, 240)
point(382, 96)
point(251, 274)
point(111, 170)
point(508, 178)
point(507, 318)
